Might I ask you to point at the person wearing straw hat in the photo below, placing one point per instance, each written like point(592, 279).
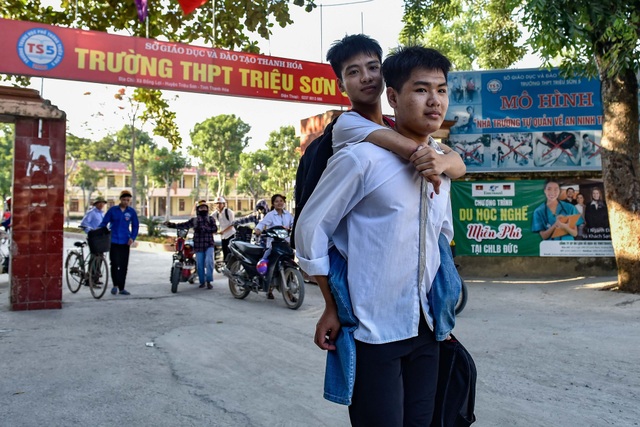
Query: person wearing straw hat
point(124, 230)
point(94, 216)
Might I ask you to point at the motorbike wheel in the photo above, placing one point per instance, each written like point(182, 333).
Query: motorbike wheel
point(237, 290)
point(292, 287)
point(175, 279)
point(462, 299)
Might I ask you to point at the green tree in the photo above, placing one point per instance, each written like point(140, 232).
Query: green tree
point(78, 148)
point(601, 39)
point(253, 173)
point(6, 158)
point(166, 167)
point(590, 39)
point(217, 143)
point(146, 184)
point(236, 23)
point(472, 33)
point(87, 179)
point(283, 147)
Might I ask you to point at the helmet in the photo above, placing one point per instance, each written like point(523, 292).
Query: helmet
point(8, 200)
point(99, 199)
point(202, 203)
point(220, 199)
point(262, 205)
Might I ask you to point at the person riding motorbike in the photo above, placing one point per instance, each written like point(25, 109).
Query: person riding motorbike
point(204, 227)
point(278, 215)
point(253, 218)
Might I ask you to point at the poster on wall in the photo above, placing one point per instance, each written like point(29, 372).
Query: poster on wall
point(525, 121)
point(564, 218)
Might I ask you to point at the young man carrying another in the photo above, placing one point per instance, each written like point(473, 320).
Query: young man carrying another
point(393, 221)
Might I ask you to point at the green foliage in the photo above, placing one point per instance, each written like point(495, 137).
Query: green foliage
point(283, 147)
point(166, 166)
point(87, 179)
point(217, 143)
point(153, 226)
point(253, 173)
point(237, 23)
point(472, 33)
point(157, 111)
point(588, 37)
point(6, 159)
point(78, 148)
point(115, 147)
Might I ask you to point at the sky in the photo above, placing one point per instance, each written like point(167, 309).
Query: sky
point(97, 114)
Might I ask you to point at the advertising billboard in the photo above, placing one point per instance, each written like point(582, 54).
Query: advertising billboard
point(531, 218)
point(525, 121)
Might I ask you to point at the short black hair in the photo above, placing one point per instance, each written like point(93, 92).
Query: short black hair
point(349, 46)
point(399, 65)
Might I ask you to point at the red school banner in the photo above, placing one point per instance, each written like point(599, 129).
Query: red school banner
point(40, 50)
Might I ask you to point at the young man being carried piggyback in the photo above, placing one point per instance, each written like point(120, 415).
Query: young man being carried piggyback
point(357, 60)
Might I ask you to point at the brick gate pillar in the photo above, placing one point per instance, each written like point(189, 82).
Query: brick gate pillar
point(35, 267)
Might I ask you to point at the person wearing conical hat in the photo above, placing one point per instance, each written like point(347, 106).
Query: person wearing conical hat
point(94, 216)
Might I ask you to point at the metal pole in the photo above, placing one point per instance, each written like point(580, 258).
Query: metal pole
point(321, 50)
point(213, 22)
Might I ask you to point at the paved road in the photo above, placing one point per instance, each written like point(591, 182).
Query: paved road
point(557, 353)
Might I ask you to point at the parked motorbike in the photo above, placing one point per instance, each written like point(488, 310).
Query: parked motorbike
point(183, 268)
point(245, 268)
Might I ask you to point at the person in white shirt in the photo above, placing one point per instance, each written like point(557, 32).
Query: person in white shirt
point(385, 220)
point(278, 215)
point(224, 217)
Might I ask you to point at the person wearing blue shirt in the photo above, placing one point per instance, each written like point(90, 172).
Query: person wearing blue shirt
point(124, 230)
point(551, 218)
point(94, 216)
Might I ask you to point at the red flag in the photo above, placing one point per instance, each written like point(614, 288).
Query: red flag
point(189, 6)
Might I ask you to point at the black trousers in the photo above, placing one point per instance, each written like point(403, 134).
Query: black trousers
point(119, 258)
point(396, 382)
point(225, 246)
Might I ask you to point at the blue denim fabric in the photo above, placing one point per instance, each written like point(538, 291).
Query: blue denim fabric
point(204, 265)
point(340, 371)
point(444, 292)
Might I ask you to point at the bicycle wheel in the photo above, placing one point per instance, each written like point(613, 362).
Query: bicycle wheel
point(98, 276)
point(74, 271)
point(462, 299)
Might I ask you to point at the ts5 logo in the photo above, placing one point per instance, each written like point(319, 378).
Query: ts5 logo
point(40, 49)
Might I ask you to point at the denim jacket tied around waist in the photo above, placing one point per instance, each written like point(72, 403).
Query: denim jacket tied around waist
point(340, 372)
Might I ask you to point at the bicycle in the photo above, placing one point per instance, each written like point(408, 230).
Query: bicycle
point(86, 270)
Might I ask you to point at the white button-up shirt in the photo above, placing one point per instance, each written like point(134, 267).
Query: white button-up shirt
point(368, 204)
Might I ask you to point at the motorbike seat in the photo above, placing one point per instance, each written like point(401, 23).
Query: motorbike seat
point(249, 248)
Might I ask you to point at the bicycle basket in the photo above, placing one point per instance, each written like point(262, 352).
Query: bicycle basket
point(99, 240)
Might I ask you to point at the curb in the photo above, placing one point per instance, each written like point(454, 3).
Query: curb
point(138, 245)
